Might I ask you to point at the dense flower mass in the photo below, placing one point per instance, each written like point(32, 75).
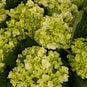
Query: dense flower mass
point(78, 58)
point(26, 17)
point(54, 33)
point(2, 3)
point(3, 12)
point(64, 7)
point(36, 68)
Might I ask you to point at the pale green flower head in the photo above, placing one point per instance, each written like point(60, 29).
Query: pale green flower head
point(54, 33)
point(66, 8)
point(2, 3)
point(78, 58)
point(3, 15)
point(26, 16)
point(3, 12)
point(37, 68)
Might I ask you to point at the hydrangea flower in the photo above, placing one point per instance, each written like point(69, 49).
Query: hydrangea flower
point(78, 58)
point(37, 68)
point(2, 3)
point(64, 7)
point(26, 16)
point(54, 33)
point(3, 12)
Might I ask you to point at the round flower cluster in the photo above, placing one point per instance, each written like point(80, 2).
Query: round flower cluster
point(37, 68)
point(2, 3)
point(3, 12)
point(26, 17)
point(54, 33)
point(66, 8)
point(78, 58)
point(56, 30)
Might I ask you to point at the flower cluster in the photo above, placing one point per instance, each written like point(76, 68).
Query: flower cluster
point(78, 58)
point(37, 68)
point(64, 7)
point(3, 12)
point(54, 33)
point(56, 30)
point(2, 3)
point(26, 17)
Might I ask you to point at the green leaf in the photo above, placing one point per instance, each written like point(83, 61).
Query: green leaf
point(75, 81)
point(80, 26)
point(85, 83)
point(24, 1)
point(65, 85)
point(85, 3)
point(4, 82)
point(12, 3)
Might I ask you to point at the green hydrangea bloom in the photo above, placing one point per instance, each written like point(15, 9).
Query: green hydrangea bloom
point(2, 3)
point(37, 68)
point(3, 12)
point(63, 7)
point(29, 15)
point(78, 58)
point(54, 33)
